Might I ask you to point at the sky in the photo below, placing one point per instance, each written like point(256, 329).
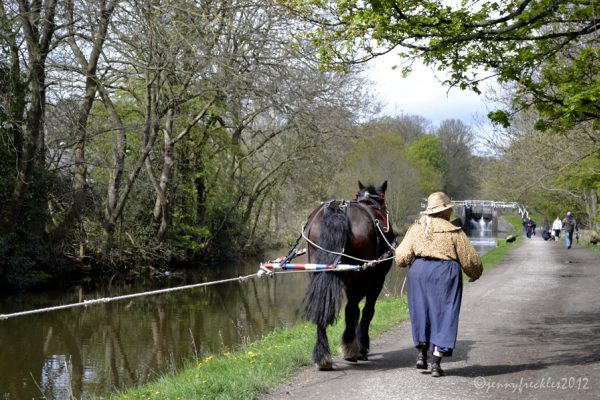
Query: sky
point(421, 93)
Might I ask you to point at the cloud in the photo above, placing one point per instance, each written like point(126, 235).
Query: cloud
point(421, 93)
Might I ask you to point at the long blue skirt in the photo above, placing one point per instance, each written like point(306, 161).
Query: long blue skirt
point(434, 297)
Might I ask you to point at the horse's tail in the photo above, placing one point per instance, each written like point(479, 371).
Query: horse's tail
point(323, 298)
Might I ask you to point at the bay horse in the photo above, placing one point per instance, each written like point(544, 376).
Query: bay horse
point(346, 232)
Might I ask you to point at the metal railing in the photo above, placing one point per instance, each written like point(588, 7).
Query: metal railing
point(521, 209)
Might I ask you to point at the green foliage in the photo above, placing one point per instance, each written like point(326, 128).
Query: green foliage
point(429, 150)
point(19, 252)
point(428, 156)
point(515, 221)
point(189, 237)
point(377, 158)
point(548, 49)
point(500, 117)
point(552, 174)
point(7, 175)
point(575, 84)
point(368, 153)
point(414, 161)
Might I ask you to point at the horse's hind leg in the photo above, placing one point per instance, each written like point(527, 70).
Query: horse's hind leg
point(350, 348)
point(321, 353)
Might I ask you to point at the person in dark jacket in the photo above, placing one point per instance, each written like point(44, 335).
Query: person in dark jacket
point(437, 253)
point(569, 227)
point(529, 227)
point(546, 235)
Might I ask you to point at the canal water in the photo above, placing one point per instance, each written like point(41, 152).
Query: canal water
point(482, 235)
point(95, 350)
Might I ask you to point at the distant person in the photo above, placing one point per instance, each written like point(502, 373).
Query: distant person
point(569, 226)
point(529, 227)
point(546, 235)
point(556, 228)
point(437, 253)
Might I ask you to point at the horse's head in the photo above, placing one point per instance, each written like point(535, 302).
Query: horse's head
point(374, 196)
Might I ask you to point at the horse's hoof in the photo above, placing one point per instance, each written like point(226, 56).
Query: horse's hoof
point(350, 351)
point(321, 367)
point(325, 364)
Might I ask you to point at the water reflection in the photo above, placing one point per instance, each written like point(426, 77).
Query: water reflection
point(89, 351)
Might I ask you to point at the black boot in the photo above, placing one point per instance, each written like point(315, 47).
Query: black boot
point(422, 358)
point(436, 368)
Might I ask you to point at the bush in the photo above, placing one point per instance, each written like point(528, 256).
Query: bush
point(18, 254)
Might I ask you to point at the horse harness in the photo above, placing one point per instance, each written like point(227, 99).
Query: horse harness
point(378, 214)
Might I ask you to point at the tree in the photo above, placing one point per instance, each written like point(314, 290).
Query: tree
point(380, 157)
point(89, 89)
point(409, 127)
point(86, 50)
point(457, 143)
point(552, 174)
point(549, 48)
point(13, 91)
point(428, 157)
point(36, 28)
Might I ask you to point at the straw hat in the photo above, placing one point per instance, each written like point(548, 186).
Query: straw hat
point(437, 202)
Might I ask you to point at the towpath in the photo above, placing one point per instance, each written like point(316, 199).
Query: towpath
point(529, 329)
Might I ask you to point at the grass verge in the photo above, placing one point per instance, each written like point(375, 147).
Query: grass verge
point(516, 222)
point(271, 361)
point(499, 253)
point(593, 247)
point(257, 367)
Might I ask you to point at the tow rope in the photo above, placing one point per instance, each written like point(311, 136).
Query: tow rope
point(86, 303)
point(268, 268)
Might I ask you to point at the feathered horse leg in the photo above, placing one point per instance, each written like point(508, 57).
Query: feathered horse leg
point(350, 347)
point(323, 298)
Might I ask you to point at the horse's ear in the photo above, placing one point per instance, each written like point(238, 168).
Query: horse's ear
point(360, 185)
point(384, 187)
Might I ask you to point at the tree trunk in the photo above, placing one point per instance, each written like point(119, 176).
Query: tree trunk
point(117, 196)
point(591, 203)
point(116, 176)
point(89, 68)
point(161, 205)
point(38, 33)
point(80, 171)
point(162, 209)
point(200, 185)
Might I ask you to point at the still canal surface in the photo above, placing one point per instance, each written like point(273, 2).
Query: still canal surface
point(95, 350)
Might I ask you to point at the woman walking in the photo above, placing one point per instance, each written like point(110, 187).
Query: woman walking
point(437, 252)
point(556, 228)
